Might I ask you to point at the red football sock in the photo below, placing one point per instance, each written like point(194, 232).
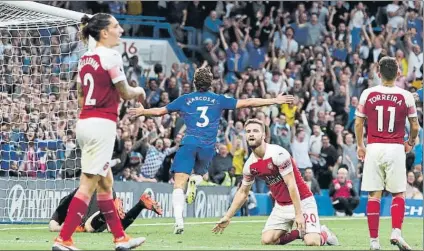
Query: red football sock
point(324, 237)
point(107, 208)
point(289, 237)
point(76, 211)
point(373, 215)
point(397, 211)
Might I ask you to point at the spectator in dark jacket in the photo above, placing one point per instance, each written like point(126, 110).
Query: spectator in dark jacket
point(343, 194)
point(123, 154)
point(221, 165)
point(311, 181)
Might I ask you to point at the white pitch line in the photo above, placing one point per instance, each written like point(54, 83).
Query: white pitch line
point(22, 228)
point(196, 223)
point(246, 221)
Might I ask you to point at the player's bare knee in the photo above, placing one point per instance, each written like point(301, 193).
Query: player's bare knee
point(88, 184)
point(312, 239)
point(105, 186)
point(106, 183)
point(87, 189)
point(180, 180)
point(54, 226)
point(269, 238)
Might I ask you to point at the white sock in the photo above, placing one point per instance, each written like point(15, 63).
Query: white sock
point(178, 200)
point(197, 178)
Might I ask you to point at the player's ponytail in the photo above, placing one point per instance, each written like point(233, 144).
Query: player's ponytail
point(92, 26)
point(83, 28)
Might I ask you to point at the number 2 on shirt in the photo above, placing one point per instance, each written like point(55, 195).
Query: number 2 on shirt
point(89, 80)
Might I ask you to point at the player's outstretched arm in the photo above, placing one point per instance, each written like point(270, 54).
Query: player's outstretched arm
point(239, 199)
point(127, 92)
point(174, 106)
point(140, 111)
point(256, 102)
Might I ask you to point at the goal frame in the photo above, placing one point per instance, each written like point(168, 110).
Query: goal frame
point(47, 9)
point(52, 11)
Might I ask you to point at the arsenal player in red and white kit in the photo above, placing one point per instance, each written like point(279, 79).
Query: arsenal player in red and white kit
point(385, 108)
point(101, 85)
point(294, 200)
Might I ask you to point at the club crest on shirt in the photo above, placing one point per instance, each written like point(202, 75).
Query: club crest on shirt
point(253, 171)
point(270, 166)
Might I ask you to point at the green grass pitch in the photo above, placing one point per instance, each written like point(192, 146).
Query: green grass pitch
point(243, 233)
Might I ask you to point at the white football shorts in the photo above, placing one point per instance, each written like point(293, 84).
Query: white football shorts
point(96, 137)
point(384, 168)
point(282, 217)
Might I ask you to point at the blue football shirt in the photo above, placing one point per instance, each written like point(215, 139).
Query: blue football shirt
point(201, 112)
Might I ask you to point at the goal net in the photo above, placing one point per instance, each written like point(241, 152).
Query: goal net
point(39, 51)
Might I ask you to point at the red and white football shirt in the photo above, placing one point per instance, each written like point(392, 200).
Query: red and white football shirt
point(275, 164)
point(98, 72)
point(386, 110)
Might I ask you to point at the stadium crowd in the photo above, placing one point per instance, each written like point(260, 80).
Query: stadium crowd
point(323, 52)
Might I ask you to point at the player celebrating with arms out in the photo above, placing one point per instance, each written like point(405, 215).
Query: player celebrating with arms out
point(201, 111)
point(294, 200)
point(386, 108)
point(101, 83)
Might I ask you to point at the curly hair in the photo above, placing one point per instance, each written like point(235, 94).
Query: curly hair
point(203, 79)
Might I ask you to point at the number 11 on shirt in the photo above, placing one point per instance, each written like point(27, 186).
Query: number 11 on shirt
point(380, 118)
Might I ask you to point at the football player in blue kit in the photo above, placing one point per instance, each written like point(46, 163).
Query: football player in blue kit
point(201, 111)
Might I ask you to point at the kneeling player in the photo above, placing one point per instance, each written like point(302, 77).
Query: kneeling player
point(94, 221)
point(294, 200)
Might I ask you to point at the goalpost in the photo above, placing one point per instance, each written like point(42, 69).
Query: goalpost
point(39, 51)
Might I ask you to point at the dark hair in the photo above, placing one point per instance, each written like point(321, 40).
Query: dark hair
point(388, 68)
point(203, 79)
point(92, 26)
point(290, 28)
